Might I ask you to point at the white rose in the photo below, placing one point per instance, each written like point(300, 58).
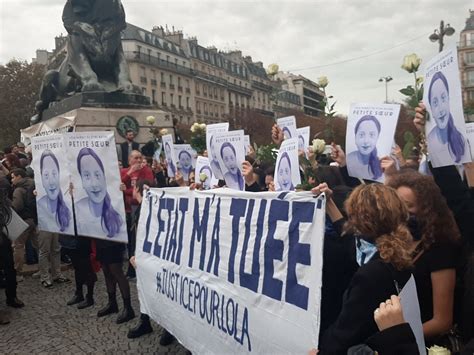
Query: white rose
point(163, 131)
point(318, 146)
point(202, 177)
point(411, 63)
point(193, 127)
point(323, 81)
point(438, 350)
point(151, 120)
point(202, 126)
point(272, 69)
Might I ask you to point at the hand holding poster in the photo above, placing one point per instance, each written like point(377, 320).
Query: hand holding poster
point(369, 136)
point(94, 172)
point(287, 172)
point(53, 202)
point(445, 131)
point(231, 272)
point(186, 159)
point(231, 150)
point(204, 175)
point(169, 154)
point(288, 126)
point(212, 150)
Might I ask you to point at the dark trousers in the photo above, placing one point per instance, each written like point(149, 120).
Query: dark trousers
point(8, 265)
point(80, 258)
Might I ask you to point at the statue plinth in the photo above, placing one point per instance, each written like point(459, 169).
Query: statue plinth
point(117, 100)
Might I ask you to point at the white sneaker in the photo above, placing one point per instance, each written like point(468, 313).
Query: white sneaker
point(36, 275)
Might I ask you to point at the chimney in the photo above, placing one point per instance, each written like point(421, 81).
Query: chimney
point(158, 31)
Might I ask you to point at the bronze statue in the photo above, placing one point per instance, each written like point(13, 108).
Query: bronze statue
point(95, 61)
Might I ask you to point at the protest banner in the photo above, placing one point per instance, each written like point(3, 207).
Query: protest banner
point(445, 130)
point(232, 272)
point(55, 125)
point(212, 149)
point(369, 137)
point(288, 126)
point(287, 171)
point(94, 172)
point(52, 171)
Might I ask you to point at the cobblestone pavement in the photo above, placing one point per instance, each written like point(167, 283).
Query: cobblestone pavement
point(46, 325)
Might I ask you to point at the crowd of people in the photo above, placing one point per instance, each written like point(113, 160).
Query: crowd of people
point(376, 236)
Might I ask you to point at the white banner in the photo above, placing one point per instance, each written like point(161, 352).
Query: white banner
point(94, 172)
point(232, 272)
point(55, 125)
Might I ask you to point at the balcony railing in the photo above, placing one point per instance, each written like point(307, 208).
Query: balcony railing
point(239, 89)
point(155, 61)
point(143, 80)
point(188, 90)
point(153, 82)
point(180, 88)
point(172, 86)
point(209, 77)
point(163, 84)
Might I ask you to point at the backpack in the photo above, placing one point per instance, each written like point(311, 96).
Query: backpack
point(29, 210)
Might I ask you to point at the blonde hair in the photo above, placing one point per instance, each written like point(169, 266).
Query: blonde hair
point(376, 212)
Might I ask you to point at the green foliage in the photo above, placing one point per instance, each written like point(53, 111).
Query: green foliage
point(198, 141)
point(19, 89)
point(266, 154)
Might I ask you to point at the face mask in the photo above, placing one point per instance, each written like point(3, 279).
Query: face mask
point(364, 251)
point(414, 227)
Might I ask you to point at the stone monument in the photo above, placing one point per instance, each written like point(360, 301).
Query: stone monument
point(92, 86)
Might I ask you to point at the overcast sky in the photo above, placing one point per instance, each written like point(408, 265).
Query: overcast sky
point(312, 38)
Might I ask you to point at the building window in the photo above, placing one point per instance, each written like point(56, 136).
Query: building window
point(205, 109)
point(470, 58)
point(171, 99)
point(470, 95)
point(163, 98)
point(144, 91)
point(153, 96)
point(171, 79)
point(167, 59)
point(187, 102)
point(179, 101)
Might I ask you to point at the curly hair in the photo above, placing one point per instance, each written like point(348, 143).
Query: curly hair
point(376, 212)
point(436, 220)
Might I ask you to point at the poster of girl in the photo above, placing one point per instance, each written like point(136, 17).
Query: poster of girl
point(445, 130)
point(287, 174)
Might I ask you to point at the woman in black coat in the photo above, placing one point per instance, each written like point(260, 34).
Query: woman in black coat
point(378, 216)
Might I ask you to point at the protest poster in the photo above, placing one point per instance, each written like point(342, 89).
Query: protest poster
point(369, 136)
point(287, 168)
point(231, 272)
point(157, 153)
point(186, 159)
point(247, 143)
point(94, 172)
point(170, 156)
point(203, 173)
point(52, 171)
point(470, 138)
point(231, 154)
point(212, 151)
point(445, 130)
point(288, 126)
point(303, 138)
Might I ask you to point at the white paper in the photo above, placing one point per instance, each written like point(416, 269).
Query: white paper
point(231, 154)
point(470, 138)
point(247, 143)
point(186, 159)
point(303, 139)
point(369, 137)
point(445, 130)
point(202, 167)
point(411, 312)
point(94, 171)
point(288, 126)
point(212, 151)
point(287, 173)
point(52, 170)
point(16, 226)
point(169, 154)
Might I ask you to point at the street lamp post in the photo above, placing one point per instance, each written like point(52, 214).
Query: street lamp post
point(386, 79)
point(438, 35)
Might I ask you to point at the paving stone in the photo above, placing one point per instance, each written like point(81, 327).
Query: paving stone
point(47, 325)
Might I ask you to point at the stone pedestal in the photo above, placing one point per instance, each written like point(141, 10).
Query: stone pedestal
point(102, 119)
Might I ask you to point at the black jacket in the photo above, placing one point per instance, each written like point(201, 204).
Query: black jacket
point(372, 284)
point(124, 152)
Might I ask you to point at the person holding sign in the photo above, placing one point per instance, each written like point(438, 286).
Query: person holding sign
point(445, 142)
point(284, 173)
point(169, 160)
point(365, 163)
point(233, 177)
point(95, 211)
point(185, 164)
point(52, 210)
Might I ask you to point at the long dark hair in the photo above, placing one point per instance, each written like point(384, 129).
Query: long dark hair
point(63, 215)
point(374, 162)
point(110, 217)
point(455, 138)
